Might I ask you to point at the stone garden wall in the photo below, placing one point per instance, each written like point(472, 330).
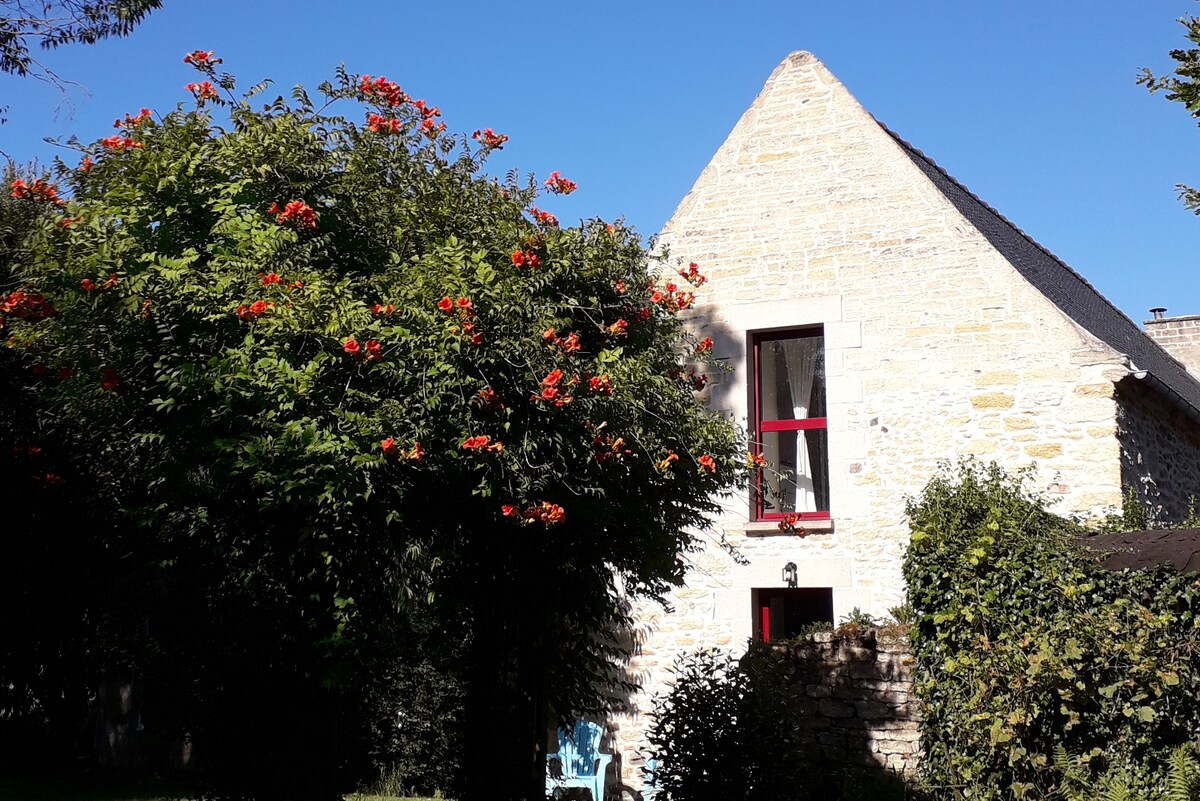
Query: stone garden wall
point(855, 697)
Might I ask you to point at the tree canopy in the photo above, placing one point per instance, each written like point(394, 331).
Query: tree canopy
point(315, 372)
point(30, 25)
point(1183, 86)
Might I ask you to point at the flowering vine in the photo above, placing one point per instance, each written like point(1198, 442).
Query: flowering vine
point(253, 310)
point(294, 212)
point(381, 91)
point(483, 443)
point(40, 190)
point(559, 185)
point(490, 139)
point(377, 123)
point(546, 513)
point(202, 91)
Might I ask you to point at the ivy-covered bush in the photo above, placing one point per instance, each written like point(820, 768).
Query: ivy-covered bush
point(1026, 647)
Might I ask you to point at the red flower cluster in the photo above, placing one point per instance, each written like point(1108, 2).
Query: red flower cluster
point(39, 190)
point(431, 129)
point(522, 257)
point(552, 391)
point(447, 305)
point(672, 299)
point(88, 285)
point(427, 112)
point(643, 313)
point(705, 345)
point(482, 443)
point(665, 465)
point(609, 448)
point(465, 313)
point(790, 523)
point(86, 164)
point(133, 122)
point(428, 126)
point(600, 385)
point(202, 91)
point(391, 450)
point(619, 286)
point(490, 399)
point(116, 144)
point(698, 382)
point(201, 59)
point(266, 279)
point(754, 461)
point(109, 379)
point(543, 217)
point(692, 275)
point(253, 311)
point(707, 464)
point(568, 344)
point(380, 124)
point(490, 139)
point(371, 349)
point(296, 212)
point(30, 308)
point(559, 185)
point(618, 329)
point(382, 91)
point(545, 513)
point(382, 311)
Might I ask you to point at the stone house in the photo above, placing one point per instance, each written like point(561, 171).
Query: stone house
point(878, 319)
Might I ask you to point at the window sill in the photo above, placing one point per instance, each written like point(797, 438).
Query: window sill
point(770, 528)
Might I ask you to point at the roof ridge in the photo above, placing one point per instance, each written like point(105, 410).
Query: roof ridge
point(1002, 218)
point(992, 210)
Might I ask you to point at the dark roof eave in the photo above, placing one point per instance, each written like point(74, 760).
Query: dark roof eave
point(1162, 388)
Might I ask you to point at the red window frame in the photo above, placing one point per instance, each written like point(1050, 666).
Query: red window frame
point(816, 606)
point(760, 426)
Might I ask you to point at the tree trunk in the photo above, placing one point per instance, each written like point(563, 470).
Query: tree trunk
point(506, 710)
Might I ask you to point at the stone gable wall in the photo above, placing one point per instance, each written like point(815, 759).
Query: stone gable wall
point(936, 348)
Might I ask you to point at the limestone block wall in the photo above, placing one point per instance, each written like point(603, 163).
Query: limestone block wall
point(936, 348)
point(854, 699)
point(1160, 452)
point(854, 696)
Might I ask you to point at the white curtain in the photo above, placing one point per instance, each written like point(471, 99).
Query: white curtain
point(801, 357)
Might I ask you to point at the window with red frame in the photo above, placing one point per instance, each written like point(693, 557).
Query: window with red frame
point(789, 423)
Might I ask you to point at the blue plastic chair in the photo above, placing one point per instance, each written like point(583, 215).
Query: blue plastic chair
point(650, 780)
point(579, 761)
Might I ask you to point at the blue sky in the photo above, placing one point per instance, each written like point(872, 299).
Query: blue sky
point(1031, 104)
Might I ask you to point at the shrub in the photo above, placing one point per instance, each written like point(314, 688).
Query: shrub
point(730, 730)
point(1026, 646)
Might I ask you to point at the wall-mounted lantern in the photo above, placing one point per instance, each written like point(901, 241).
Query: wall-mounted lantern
point(790, 577)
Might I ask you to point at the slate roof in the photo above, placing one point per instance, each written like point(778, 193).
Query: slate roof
point(1064, 287)
point(1179, 548)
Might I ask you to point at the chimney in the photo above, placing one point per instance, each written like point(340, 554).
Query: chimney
point(1178, 336)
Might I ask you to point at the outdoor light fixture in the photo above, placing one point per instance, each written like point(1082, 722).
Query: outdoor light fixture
point(789, 574)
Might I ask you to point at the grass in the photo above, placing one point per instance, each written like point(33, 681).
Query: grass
point(77, 790)
point(57, 790)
